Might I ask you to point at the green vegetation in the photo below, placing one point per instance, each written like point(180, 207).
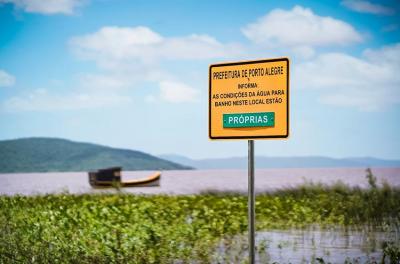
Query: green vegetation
point(122, 228)
point(51, 154)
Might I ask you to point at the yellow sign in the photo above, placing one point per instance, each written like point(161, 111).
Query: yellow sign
point(249, 100)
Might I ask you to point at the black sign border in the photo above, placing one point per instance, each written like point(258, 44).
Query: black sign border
point(245, 63)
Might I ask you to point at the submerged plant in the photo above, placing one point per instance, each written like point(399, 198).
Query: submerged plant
point(391, 250)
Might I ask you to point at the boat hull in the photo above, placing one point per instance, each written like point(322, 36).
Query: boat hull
point(111, 177)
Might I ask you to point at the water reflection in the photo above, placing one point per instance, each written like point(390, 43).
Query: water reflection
point(312, 245)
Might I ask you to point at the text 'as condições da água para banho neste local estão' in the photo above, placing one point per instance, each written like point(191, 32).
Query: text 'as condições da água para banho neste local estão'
point(244, 98)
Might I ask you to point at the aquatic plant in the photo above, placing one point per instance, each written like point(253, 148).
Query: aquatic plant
point(122, 228)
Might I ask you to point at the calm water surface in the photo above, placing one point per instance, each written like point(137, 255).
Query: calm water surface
point(336, 245)
point(193, 181)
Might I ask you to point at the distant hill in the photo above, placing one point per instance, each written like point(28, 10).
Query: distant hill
point(52, 154)
point(282, 162)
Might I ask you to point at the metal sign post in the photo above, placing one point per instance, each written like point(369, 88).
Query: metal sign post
point(251, 202)
point(249, 100)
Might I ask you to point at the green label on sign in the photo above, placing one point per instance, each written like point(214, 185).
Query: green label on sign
point(266, 119)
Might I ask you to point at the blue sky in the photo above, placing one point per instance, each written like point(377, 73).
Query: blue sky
point(134, 74)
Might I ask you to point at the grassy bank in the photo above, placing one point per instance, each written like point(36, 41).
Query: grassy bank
point(160, 229)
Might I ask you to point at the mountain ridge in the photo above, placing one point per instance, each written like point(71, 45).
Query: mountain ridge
point(282, 162)
point(42, 154)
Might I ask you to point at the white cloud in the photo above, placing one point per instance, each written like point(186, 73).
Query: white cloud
point(367, 7)
point(300, 27)
point(132, 55)
point(370, 83)
point(151, 98)
point(47, 7)
point(104, 82)
point(116, 43)
point(386, 55)
point(41, 100)
point(111, 46)
point(6, 79)
point(128, 58)
point(175, 92)
point(305, 52)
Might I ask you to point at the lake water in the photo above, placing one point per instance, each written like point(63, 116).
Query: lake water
point(335, 245)
point(194, 181)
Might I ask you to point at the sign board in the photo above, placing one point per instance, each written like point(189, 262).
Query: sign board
point(249, 100)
